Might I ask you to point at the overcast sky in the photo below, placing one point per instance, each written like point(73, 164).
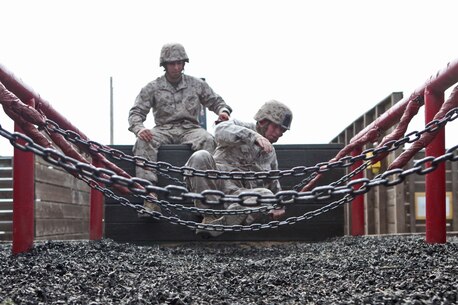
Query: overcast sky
point(330, 61)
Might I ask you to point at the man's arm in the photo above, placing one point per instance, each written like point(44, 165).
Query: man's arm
point(139, 112)
point(235, 131)
point(214, 102)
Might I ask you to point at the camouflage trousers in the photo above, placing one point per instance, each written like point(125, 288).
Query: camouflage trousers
point(203, 160)
point(198, 137)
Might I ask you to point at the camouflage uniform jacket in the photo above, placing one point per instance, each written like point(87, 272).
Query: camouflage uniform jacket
point(236, 151)
point(180, 105)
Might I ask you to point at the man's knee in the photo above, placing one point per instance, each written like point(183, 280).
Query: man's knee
point(143, 148)
point(200, 159)
point(202, 140)
point(209, 144)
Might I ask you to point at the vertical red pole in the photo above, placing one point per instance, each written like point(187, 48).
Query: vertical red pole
point(96, 212)
point(357, 205)
point(435, 181)
point(23, 197)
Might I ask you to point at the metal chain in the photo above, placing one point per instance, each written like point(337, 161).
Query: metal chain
point(352, 174)
point(226, 228)
point(177, 193)
point(164, 167)
point(92, 175)
point(304, 182)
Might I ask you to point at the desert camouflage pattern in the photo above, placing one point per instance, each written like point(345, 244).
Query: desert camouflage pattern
point(196, 136)
point(236, 151)
point(171, 106)
point(176, 115)
point(172, 52)
point(275, 112)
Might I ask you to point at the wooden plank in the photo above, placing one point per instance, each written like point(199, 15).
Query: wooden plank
point(67, 236)
point(61, 227)
point(454, 190)
point(142, 234)
point(6, 225)
point(6, 172)
point(6, 204)
point(6, 193)
point(6, 161)
point(376, 210)
point(153, 230)
point(411, 187)
point(57, 176)
point(399, 208)
point(5, 236)
point(117, 213)
point(6, 215)
point(46, 209)
point(390, 211)
point(122, 223)
point(55, 193)
point(61, 204)
point(6, 182)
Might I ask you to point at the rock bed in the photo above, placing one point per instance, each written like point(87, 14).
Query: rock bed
point(346, 270)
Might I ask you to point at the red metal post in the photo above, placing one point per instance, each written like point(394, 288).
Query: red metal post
point(357, 205)
point(96, 212)
point(438, 82)
point(23, 197)
point(435, 181)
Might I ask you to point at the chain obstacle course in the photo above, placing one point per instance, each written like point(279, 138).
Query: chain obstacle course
point(47, 134)
point(347, 270)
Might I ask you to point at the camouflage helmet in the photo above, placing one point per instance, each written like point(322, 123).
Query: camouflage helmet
point(172, 52)
point(275, 112)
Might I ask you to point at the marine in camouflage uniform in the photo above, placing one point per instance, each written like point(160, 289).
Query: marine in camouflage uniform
point(176, 100)
point(244, 147)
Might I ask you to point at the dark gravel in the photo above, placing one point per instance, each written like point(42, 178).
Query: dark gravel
point(347, 270)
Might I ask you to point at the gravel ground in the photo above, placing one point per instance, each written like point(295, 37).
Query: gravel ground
point(347, 270)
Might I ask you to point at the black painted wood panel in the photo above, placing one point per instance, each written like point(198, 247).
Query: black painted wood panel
point(123, 224)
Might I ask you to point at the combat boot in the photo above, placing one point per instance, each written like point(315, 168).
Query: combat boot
point(213, 220)
point(233, 220)
point(150, 207)
point(226, 220)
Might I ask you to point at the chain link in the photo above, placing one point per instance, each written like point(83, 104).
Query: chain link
point(164, 167)
point(93, 176)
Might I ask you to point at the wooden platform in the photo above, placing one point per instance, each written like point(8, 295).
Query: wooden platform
point(122, 223)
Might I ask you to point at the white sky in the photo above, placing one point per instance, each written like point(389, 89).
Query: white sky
point(329, 60)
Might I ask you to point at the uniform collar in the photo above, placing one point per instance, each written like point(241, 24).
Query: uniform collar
point(168, 86)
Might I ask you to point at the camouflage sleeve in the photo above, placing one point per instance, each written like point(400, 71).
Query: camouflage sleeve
point(211, 100)
point(140, 109)
point(274, 185)
point(235, 131)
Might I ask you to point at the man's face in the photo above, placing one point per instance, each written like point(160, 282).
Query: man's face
point(174, 69)
point(273, 132)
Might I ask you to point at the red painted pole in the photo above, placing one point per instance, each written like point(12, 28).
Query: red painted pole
point(23, 197)
point(357, 205)
point(435, 181)
point(96, 212)
point(24, 93)
point(438, 82)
